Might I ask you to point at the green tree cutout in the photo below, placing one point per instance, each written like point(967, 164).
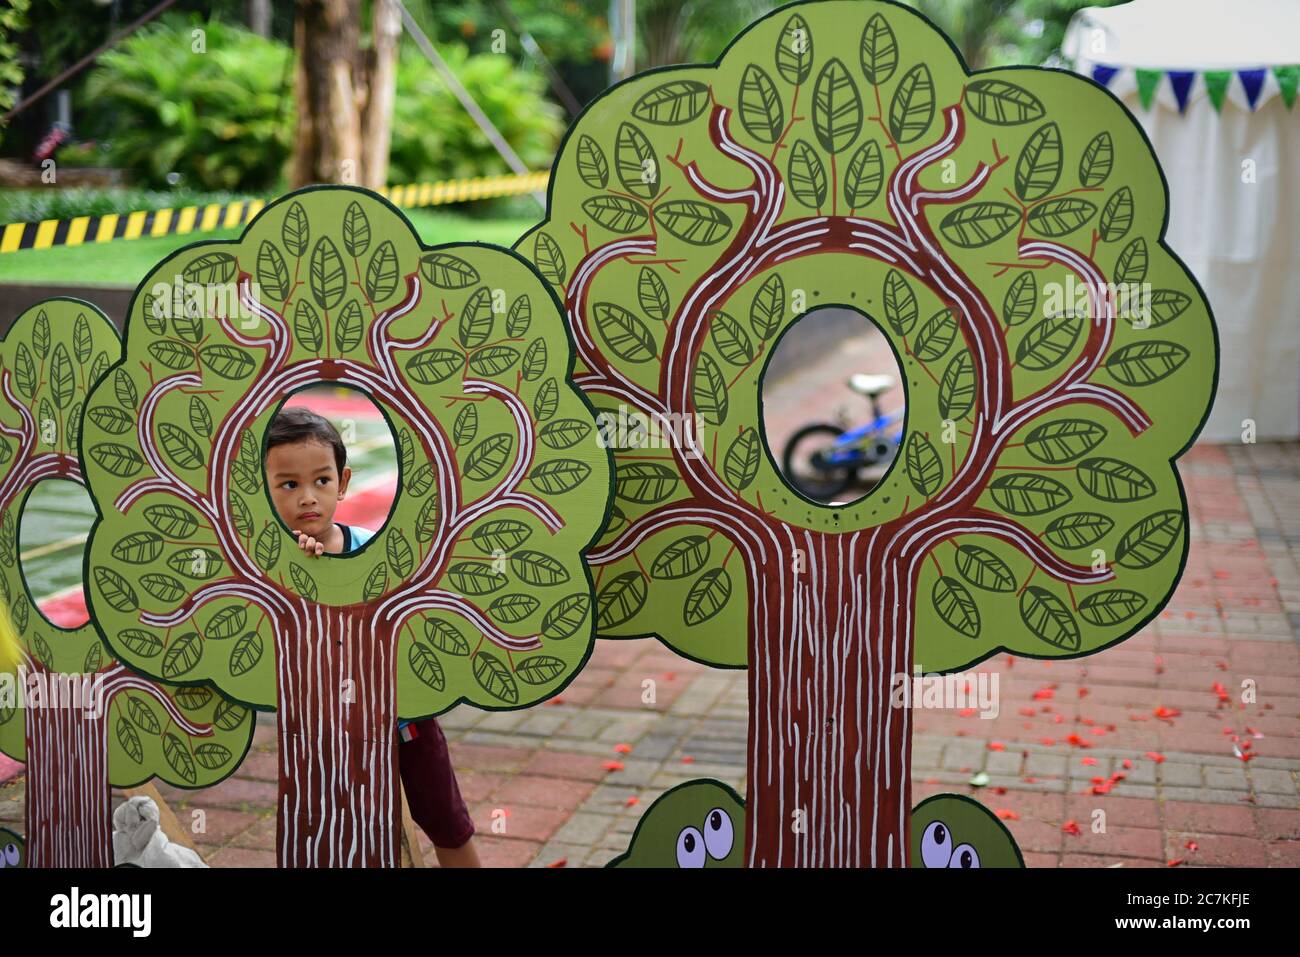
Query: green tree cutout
point(840, 153)
point(473, 590)
point(84, 720)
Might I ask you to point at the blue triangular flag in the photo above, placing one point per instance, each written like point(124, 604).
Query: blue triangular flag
point(1181, 81)
point(1104, 74)
point(1252, 81)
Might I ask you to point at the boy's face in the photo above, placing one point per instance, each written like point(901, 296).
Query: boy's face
point(305, 485)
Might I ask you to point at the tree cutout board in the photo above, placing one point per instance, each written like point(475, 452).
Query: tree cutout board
point(474, 589)
point(81, 719)
point(1004, 229)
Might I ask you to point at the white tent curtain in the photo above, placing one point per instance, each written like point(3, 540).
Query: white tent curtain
point(1233, 219)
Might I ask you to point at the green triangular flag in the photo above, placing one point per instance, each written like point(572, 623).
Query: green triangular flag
point(1147, 81)
point(1287, 77)
point(1216, 84)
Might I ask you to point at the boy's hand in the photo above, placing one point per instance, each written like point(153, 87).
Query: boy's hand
point(309, 544)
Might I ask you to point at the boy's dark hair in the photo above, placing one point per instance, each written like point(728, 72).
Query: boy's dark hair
point(296, 424)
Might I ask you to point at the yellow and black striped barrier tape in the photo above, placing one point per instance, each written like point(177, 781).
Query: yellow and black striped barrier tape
point(82, 230)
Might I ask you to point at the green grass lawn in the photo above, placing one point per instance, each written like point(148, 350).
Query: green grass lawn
point(126, 262)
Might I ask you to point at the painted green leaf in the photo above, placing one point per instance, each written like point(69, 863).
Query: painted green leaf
point(326, 278)
point(119, 460)
point(381, 272)
point(901, 310)
point(1048, 341)
point(955, 606)
point(566, 616)
point(768, 307)
point(426, 523)
point(1002, 103)
point(1059, 217)
point(548, 259)
point(709, 390)
point(592, 165)
point(1111, 607)
point(180, 448)
point(1049, 618)
point(730, 339)
point(295, 231)
point(1039, 166)
point(200, 418)
point(692, 221)
point(142, 715)
point(1063, 440)
point(983, 569)
point(138, 548)
point(673, 103)
point(272, 273)
point(540, 669)
point(740, 464)
point(267, 548)
point(94, 659)
point(707, 597)
point(616, 213)
point(111, 419)
point(129, 740)
point(421, 479)
point(794, 51)
point(211, 268)
point(116, 589)
point(303, 582)
point(924, 468)
point(493, 360)
point(761, 111)
point(61, 377)
point(466, 425)
point(376, 582)
point(212, 756)
point(356, 230)
point(682, 558)
point(1114, 481)
point(652, 293)
point(123, 386)
point(487, 458)
point(246, 653)
point(957, 387)
point(475, 578)
point(559, 475)
point(864, 176)
point(1078, 529)
point(426, 666)
point(878, 51)
point(434, 365)
point(447, 271)
point(806, 175)
point(495, 677)
point(178, 756)
point(25, 371)
point(1023, 493)
point(936, 336)
point(1131, 265)
point(538, 568)
point(398, 552)
point(81, 339)
point(1145, 363)
point(625, 334)
point(1150, 540)
point(1021, 299)
point(445, 637)
point(1096, 162)
point(1116, 215)
point(1167, 305)
point(163, 587)
point(978, 224)
point(476, 319)
point(226, 623)
point(228, 715)
point(512, 609)
point(140, 642)
point(836, 107)
point(171, 354)
point(645, 483)
point(911, 111)
point(182, 655)
point(635, 162)
point(620, 599)
point(228, 361)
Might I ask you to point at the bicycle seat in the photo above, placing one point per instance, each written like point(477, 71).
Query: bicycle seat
point(870, 385)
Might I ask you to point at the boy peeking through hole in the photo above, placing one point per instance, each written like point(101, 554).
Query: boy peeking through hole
point(308, 475)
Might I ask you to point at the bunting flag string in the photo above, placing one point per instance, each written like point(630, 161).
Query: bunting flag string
point(1217, 83)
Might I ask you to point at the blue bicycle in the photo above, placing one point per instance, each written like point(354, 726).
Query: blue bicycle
point(822, 460)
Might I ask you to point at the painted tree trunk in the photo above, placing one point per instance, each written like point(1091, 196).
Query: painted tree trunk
point(339, 801)
point(69, 818)
point(828, 771)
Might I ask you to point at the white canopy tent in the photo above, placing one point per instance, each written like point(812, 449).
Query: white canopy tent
point(1209, 82)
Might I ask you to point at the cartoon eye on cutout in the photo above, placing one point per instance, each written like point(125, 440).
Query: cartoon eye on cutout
point(10, 855)
point(936, 845)
point(690, 848)
point(963, 855)
point(719, 835)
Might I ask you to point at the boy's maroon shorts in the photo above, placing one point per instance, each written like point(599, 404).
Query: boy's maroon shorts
point(431, 789)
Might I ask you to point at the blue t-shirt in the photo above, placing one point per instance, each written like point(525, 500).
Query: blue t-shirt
point(354, 536)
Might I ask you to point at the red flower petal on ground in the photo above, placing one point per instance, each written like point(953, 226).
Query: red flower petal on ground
point(558, 700)
point(1088, 761)
point(965, 712)
point(1160, 665)
point(560, 863)
point(1191, 845)
point(1044, 694)
point(1058, 718)
point(1173, 862)
point(931, 781)
point(1156, 756)
point(1071, 827)
point(1166, 713)
point(632, 801)
point(623, 748)
point(996, 746)
point(1006, 814)
point(1029, 712)
point(1029, 779)
point(1221, 665)
point(1083, 692)
point(999, 790)
point(1048, 742)
point(687, 759)
point(613, 765)
point(1128, 763)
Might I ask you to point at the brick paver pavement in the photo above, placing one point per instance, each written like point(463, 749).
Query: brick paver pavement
point(1155, 725)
